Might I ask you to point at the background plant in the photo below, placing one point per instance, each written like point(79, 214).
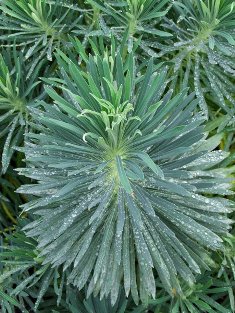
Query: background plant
point(38, 26)
point(15, 96)
point(202, 50)
point(136, 17)
point(119, 116)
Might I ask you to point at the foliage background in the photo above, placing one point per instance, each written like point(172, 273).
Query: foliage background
point(193, 43)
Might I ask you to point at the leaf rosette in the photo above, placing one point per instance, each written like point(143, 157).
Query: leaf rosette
point(135, 18)
point(124, 177)
point(202, 50)
point(38, 26)
point(16, 95)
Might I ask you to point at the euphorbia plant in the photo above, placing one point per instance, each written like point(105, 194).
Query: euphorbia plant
point(202, 49)
point(124, 179)
point(16, 95)
point(119, 116)
point(38, 26)
point(139, 18)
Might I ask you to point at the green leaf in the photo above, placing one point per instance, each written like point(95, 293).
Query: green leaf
point(9, 299)
point(122, 175)
point(149, 162)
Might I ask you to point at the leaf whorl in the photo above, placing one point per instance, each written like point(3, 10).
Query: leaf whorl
point(124, 177)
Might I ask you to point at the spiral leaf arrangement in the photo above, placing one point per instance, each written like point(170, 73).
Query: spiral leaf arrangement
point(117, 156)
point(203, 48)
point(120, 166)
point(15, 96)
point(37, 26)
